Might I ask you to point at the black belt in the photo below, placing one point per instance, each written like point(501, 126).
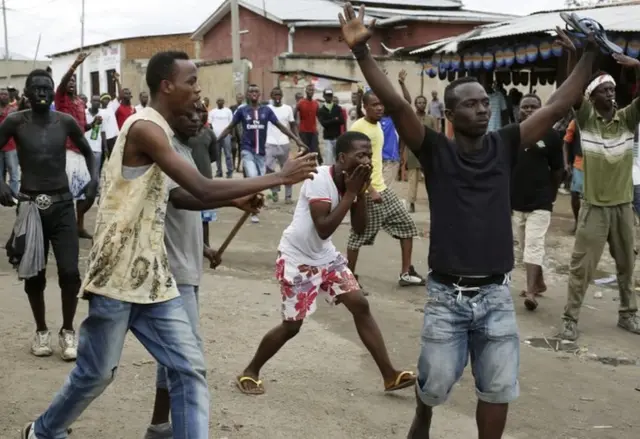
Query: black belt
point(451, 280)
point(45, 201)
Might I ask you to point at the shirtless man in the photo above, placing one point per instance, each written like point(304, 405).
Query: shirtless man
point(128, 284)
point(40, 135)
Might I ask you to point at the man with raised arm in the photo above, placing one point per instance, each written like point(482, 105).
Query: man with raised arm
point(128, 283)
point(41, 140)
point(469, 310)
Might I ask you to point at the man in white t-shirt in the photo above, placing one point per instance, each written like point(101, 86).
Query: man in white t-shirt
point(144, 101)
point(309, 264)
point(277, 146)
point(109, 122)
point(96, 135)
point(219, 119)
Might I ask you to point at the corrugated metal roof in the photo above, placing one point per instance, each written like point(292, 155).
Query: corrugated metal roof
point(415, 3)
point(461, 14)
point(619, 18)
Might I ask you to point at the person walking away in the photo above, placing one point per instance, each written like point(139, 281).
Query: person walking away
point(469, 311)
point(68, 102)
point(277, 146)
point(143, 97)
point(384, 208)
point(534, 187)
point(606, 214)
point(307, 111)
point(41, 137)
point(254, 118)
point(573, 162)
point(436, 110)
point(414, 168)
point(331, 118)
point(128, 282)
point(308, 265)
point(219, 118)
point(8, 154)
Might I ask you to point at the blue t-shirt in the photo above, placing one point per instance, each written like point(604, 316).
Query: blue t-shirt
point(391, 147)
point(254, 127)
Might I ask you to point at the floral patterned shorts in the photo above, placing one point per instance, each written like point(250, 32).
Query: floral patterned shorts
point(300, 285)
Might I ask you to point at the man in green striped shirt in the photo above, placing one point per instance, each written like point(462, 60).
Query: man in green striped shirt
point(606, 215)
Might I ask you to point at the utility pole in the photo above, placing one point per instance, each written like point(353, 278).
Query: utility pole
point(238, 71)
point(81, 78)
point(6, 33)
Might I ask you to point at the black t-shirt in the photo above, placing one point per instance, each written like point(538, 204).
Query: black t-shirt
point(469, 202)
point(532, 185)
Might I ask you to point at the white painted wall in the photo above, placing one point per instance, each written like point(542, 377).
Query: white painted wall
point(101, 59)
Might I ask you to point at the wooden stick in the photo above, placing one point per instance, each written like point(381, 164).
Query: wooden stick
point(233, 233)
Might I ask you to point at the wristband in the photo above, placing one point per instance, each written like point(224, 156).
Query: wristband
point(360, 51)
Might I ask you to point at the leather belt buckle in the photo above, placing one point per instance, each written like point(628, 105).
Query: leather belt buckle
point(43, 201)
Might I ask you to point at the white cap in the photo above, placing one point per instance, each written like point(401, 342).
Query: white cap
point(328, 91)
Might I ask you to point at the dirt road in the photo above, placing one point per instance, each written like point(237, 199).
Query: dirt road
point(324, 384)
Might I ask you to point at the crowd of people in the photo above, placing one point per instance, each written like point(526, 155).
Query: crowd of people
point(151, 239)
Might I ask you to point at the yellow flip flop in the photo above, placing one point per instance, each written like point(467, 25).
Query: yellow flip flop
point(257, 390)
point(403, 380)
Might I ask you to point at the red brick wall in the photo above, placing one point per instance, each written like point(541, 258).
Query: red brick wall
point(146, 47)
point(421, 33)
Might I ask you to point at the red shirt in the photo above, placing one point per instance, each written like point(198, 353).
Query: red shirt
point(11, 144)
point(74, 107)
point(308, 110)
point(343, 127)
point(123, 112)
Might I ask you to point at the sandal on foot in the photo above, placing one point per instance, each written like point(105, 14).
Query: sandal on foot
point(531, 303)
point(403, 380)
point(256, 389)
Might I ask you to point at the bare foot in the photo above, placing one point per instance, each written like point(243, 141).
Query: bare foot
point(530, 302)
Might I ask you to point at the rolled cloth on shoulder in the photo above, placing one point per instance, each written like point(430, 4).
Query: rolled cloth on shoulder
point(25, 247)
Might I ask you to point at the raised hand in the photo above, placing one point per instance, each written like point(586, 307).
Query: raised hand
point(564, 40)
point(81, 57)
point(299, 169)
point(116, 76)
point(354, 31)
point(625, 60)
point(402, 76)
point(357, 182)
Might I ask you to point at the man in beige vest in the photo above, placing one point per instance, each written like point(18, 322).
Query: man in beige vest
point(128, 283)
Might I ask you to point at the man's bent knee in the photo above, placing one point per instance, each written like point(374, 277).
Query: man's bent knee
point(292, 328)
point(355, 302)
point(69, 282)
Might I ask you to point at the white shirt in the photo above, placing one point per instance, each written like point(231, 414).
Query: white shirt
point(139, 108)
point(220, 118)
point(300, 241)
point(109, 122)
point(95, 144)
point(113, 105)
point(284, 113)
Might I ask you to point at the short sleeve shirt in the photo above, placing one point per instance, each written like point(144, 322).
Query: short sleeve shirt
point(254, 127)
point(308, 112)
point(532, 185)
point(300, 241)
point(607, 151)
point(469, 198)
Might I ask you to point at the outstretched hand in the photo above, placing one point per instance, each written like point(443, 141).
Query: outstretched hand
point(299, 169)
point(402, 76)
point(626, 61)
point(81, 57)
point(354, 31)
point(564, 40)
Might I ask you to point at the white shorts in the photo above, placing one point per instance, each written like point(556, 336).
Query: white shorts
point(530, 230)
point(77, 173)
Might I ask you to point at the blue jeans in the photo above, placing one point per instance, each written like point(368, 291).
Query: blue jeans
point(165, 331)
point(9, 164)
point(636, 199)
point(189, 294)
point(329, 152)
point(254, 164)
point(224, 146)
point(456, 327)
